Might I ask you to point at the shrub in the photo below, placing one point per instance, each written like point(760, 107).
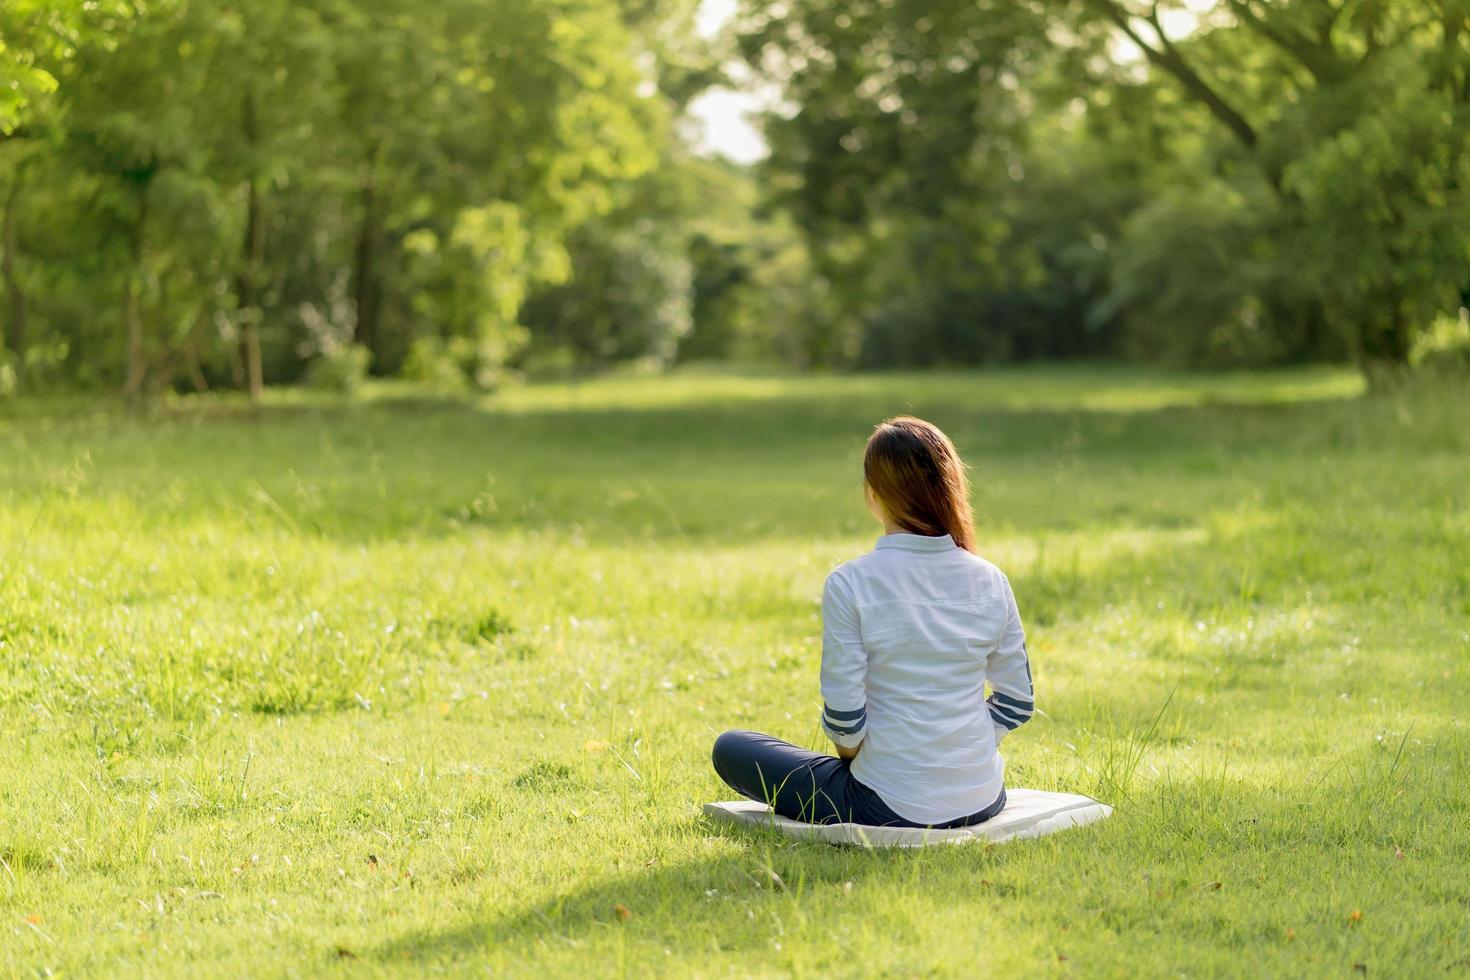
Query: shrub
point(9, 381)
point(1192, 273)
point(341, 370)
point(453, 364)
point(436, 363)
point(1445, 346)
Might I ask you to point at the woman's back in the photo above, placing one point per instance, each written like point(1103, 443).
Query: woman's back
point(911, 633)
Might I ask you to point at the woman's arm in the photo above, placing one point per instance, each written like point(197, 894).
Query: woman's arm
point(844, 668)
point(1008, 671)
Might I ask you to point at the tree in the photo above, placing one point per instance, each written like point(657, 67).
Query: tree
point(1362, 106)
point(36, 35)
point(1385, 206)
point(908, 124)
point(480, 139)
point(32, 33)
point(235, 189)
point(1001, 179)
point(266, 84)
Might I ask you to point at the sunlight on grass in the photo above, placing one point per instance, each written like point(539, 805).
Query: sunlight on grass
point(431, 685)
point(1116, 389)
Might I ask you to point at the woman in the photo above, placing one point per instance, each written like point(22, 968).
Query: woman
point(911, 634)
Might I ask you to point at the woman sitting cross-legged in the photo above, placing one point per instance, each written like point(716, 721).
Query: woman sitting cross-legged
point(911, 634)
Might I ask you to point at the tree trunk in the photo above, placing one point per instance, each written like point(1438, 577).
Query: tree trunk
point(15, 321)
point(132, 313)
point(1166, 56)
point(1385, 345)
point(365, 290)
point(1321, 342)
point(249, 294)
point(192, 362)
point(252, 260)
point(1399, 336)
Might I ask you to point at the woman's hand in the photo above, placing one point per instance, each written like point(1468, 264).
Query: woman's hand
point(848, 754)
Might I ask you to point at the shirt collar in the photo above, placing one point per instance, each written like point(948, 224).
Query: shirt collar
point(917, 542)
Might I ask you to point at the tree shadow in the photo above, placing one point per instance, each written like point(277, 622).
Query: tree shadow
point(1177, 832)
point(705, 897)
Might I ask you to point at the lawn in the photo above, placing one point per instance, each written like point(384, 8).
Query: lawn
point(411, 685)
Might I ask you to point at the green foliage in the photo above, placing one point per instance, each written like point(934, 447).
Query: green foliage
point(1191, 269)
point(456, 362)
point(269, 182)
point(900, 192)
point(9, 376)
point(1387, 206)
point(439, 364)
point(196, 193)
point(36, 35)
point(755, 295)
point(628, 299)
point(1445, 346)
point(1232, 183)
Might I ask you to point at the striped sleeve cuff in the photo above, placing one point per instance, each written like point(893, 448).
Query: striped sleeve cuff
point(844, 727)
point(1009, 712)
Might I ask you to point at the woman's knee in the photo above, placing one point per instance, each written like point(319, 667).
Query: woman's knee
point(731, 751)
point(728, 748)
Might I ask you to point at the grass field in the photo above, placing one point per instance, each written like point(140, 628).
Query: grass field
point(415, 686)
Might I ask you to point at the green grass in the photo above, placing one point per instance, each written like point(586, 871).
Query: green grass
point(412, 686)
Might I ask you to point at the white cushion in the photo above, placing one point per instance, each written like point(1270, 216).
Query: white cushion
point(1028, 813)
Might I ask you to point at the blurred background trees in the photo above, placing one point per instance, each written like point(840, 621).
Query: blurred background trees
point(199, 194)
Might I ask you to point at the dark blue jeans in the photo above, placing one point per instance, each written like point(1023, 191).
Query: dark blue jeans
point(810, 787)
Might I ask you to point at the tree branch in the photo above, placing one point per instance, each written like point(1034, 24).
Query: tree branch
point(1166, 56)
point(1329, 23)
point(1318, 57)
point(1452, 71)
point(1375, 44)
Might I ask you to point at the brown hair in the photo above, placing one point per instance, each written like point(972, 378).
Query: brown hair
point(917, 475)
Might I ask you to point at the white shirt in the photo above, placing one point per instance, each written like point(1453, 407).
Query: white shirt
point(911, 634)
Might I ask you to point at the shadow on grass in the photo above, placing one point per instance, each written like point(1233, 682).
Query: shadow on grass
point(1180, 834)
point(702, 899)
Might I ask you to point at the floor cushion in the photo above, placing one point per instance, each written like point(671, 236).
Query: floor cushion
point(1028, 813)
